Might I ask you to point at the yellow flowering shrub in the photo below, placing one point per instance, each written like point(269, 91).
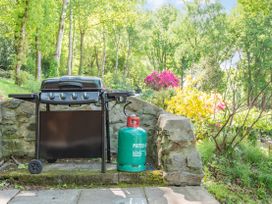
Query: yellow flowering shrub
point(192, 103)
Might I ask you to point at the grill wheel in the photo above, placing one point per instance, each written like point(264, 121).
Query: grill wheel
point(35, 166)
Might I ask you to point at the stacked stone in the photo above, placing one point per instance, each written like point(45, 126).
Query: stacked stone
point(171, 142)
point(148, 114)
point(177, 154)
point(17, 125)
point(17, 128)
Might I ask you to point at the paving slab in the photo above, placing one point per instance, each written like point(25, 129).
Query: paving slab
point(7, 195)
point(113, 196)
point(184, 195)
point(47, 196)
point(147, 195)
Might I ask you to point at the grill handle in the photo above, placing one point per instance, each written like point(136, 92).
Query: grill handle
point(70, 84)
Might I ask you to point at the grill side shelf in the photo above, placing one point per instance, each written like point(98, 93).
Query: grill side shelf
point(119, 96)
point(25, 97)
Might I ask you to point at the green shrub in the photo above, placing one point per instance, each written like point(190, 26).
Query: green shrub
point(23, 77)
point(28, 81)
point(251, 154)
point(32, 84)
point(113, 81)
point(52, 69)
point(147, 94)
point(4, 73)
point(265, 122)
point(206, 149)
point(244, 176)
point(160, 97)
point(224, 194)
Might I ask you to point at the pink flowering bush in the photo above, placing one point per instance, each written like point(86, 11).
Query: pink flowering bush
point(161, 80)
point(221, 106)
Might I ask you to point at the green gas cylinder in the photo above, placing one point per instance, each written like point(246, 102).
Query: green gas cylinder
point(132, 146)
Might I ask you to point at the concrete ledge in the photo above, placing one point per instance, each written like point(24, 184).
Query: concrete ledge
point(81, 178)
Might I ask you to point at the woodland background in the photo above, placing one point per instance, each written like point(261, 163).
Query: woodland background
point(211, 65)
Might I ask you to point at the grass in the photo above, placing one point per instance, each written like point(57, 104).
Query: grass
point(7, 86)
point(245, 176)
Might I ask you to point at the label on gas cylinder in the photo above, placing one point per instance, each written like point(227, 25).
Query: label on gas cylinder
point(138, 150)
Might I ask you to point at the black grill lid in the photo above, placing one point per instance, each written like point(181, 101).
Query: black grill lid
point(72, 83)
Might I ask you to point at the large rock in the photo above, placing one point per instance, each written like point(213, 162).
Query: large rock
point(178, 128)
point(177, 154)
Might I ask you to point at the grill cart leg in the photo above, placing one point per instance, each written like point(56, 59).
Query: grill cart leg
point(108, 133)
point(35, 165)
point(103, 164)
point(37, 144)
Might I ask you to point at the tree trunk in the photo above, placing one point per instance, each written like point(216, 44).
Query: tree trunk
point(38, 59)
point(97, 61)
point(128, 56)
point(165, 61)
point(184, 65)
point(117, 42)
point(82, 34)
point(249, 81)
point(104, 55)
point(60, 33)
point(70, 55)
point(182, 76)
point(20, 44)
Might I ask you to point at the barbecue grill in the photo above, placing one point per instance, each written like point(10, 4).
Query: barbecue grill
point(72, 133)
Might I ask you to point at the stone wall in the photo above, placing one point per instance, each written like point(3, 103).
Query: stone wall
point(171, 142)
point(17, 125)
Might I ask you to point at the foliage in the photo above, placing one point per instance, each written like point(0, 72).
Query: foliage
point(161, 44)
point(194, 104)
point(28, 81)
point(113, 81)
point(158, 98)
point(161, 80)
point(223, 60)
point(52, 68)
point(4, 74)
point(226, 122)
point(6, 53)
point(265, 123)
point(8, 86)
point(241, 177)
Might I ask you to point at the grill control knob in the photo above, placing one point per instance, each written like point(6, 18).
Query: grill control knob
point(74, 96)
point(62, 96)
point(51, 96)
point(85, 95)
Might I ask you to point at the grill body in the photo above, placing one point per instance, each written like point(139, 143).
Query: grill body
point(72, 133)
